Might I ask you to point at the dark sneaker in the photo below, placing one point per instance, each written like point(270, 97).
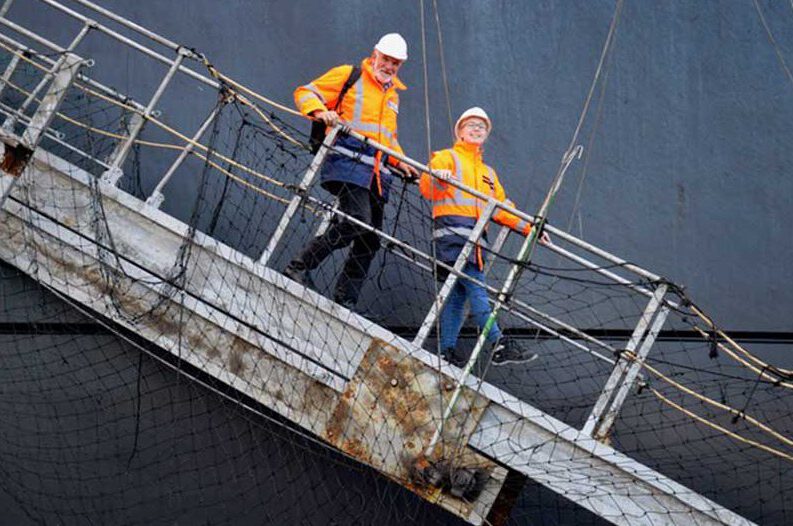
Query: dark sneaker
point(451, 356)
point(509, 350)
point(302, 277)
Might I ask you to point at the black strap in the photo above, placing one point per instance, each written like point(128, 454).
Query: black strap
point(318, 128)
point(355, 74)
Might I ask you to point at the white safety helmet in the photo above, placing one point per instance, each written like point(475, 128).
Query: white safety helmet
point(476, 111)
point(393, 45)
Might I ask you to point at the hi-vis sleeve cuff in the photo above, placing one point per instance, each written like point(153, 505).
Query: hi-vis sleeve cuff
point(309, 102)
point(431, 187)
point(309, 99)
point(512, 221)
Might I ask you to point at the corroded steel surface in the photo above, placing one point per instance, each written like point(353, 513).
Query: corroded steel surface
point(388, 414)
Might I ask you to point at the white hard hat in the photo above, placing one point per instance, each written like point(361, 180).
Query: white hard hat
point(393, 45)
point(476, 111)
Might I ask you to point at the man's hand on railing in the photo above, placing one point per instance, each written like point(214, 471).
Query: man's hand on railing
point(407, 172)
point(545, 239)
point(330, 118)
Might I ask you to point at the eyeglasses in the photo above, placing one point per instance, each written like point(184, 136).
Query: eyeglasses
point(475, 125)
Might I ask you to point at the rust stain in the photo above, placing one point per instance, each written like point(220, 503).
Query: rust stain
point(338, 420)
point(213, 353)
point(239, 349)
point(385, 415)
point(318, 397)
point(356, 448)
point(16, 159)
point(387, 365)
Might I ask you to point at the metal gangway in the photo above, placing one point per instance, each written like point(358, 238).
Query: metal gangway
point(348, 393)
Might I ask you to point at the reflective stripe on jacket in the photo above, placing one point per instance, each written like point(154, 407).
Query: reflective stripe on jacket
point(368, 108)
point(454, 211)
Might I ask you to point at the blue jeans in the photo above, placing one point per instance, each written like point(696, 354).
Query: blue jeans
point(451, 319)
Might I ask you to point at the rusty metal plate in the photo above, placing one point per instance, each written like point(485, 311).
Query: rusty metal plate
point(388, 413)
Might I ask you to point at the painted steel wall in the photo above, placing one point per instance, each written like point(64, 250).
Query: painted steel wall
point(686, 167)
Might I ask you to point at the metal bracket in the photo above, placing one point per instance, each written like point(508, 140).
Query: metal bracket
point(624, 374)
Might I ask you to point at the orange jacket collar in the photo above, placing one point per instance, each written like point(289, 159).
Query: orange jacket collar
point(468, 148)
point(366, 65)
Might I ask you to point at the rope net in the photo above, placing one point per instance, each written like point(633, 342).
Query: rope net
point(152, 368)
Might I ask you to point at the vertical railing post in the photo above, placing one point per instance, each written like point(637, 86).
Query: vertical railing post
point(12, 120)
point(128, 124)
point(9, 71)
point(16, 156)
point(6, 6)
point(495, 249)
point(498, 244)
point(625, 371)
point(156, 198)
point(304, 185)
point(603, 430)
point(113, 174)
point(451, 280)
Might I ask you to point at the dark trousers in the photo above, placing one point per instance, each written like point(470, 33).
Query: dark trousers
point(365, 206)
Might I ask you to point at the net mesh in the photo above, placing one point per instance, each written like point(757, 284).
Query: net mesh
point(152, 368)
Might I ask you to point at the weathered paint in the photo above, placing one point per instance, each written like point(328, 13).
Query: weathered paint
point(389, 412)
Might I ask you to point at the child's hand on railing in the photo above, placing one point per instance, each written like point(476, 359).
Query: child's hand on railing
point(443, 175)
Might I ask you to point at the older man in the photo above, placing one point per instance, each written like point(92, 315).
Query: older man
point(455, 213)
point(366, 99)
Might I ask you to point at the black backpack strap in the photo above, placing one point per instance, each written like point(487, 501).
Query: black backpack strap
point(318, 128)
point(355, 74)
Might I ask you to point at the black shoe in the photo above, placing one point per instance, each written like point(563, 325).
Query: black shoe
point(303, 277)
point(509, 350)
point(450, 355)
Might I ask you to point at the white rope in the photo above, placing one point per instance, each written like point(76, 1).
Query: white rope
point(443, 67)
point(773, 41)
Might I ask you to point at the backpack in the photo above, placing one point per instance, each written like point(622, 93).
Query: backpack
point(318, 128)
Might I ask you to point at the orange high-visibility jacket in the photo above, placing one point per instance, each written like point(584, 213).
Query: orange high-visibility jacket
point(368, 107)
point(454, 211)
